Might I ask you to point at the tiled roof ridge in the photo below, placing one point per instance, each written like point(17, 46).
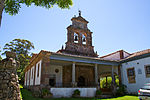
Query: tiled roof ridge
point(142, 51)
point(113, 53)
point(74, 55)
point(100, 58)
point(138, 53)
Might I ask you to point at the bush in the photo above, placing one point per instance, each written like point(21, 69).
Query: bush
point(36, 94)
point(46, 92)
point(98, 92)
point(109, 82)
point(121, 90)
point(76, 93)
point(103, 82)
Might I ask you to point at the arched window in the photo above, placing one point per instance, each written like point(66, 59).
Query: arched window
point(83, 39)
point(76, 38)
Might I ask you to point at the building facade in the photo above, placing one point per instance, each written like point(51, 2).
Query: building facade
point(77, 66)
point(135, 68)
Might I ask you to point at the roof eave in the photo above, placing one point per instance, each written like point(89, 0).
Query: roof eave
point(135, 58)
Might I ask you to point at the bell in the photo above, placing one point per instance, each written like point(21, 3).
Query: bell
point(83, 39)
point(76, 38)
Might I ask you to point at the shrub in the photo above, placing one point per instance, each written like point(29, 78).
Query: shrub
point(103, 82)
point(36, 94)
point(121, 90)
point(76, 93)
point(98, 92)
point(109, 82)
point(46, 92)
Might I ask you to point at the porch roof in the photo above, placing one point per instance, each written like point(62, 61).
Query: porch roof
point(82, 59)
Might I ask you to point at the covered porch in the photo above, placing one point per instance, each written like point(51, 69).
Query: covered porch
point(67, 73)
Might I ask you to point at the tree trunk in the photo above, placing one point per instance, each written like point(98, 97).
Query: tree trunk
point(1, 9)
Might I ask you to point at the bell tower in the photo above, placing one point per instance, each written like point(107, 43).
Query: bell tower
point(79, 38)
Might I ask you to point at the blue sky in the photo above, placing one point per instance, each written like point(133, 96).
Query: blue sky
point(116, 24)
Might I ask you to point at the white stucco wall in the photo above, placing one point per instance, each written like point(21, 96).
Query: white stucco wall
point(38, 78)
point(28, 77)
point(67, 92)
point(140, 78)
point(25, 81)
point(58, 75)
point(32, 76)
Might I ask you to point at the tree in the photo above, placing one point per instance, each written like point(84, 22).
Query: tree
point(12, 6)
point(0, 56)
point(21, 47)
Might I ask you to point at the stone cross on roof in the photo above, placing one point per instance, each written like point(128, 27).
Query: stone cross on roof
point(79, 12)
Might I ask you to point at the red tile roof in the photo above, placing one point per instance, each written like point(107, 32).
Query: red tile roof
point(139, 53)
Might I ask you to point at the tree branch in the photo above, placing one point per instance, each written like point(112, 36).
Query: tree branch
point(1, 9)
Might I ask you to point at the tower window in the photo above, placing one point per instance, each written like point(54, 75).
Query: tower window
point(76, 38)
point(83, 39)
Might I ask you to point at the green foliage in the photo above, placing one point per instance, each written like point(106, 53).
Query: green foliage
point(12, 6)
point(76, 92)
point(21, 47)
point(109, 80)
point(0, 56)
point(45, 92)
point(121, 90)
point(98, 92)
point(103, 82)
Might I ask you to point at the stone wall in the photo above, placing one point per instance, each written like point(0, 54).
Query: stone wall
point(79, 27)
point(67, 75)
point(9, 85)
point(86, 72)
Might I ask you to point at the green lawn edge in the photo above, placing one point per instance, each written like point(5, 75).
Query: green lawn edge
point(27, 95)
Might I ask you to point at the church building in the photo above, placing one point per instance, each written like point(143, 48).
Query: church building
point(78, 66)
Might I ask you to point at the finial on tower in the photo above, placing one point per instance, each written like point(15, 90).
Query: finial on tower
point(79, 12)
point(62, 47)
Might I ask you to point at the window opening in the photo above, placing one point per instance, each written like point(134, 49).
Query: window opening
point(76, 38)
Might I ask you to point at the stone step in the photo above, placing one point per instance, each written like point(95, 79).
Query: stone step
point(106, 96)
point(106, 93)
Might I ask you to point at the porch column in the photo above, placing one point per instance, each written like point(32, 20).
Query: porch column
point(96, 76)
point(106, 81)
point(113, 81)
point(119, 74)
point(112, 74)
point(73, 73)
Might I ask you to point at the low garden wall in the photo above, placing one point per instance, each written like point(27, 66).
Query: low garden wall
point(67, 92)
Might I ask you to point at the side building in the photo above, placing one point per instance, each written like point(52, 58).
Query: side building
point(135, 68)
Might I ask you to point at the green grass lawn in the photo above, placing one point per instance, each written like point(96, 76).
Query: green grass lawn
point(27, 95)
point(123, 98)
